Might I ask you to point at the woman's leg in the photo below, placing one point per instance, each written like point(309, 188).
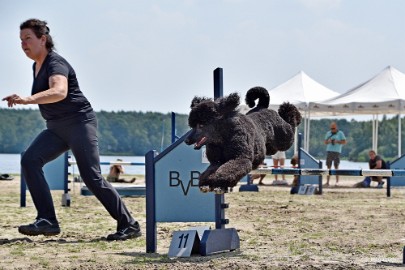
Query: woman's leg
point(46, 147)
point(282, 161)
point(275, 164)
point(85, 149)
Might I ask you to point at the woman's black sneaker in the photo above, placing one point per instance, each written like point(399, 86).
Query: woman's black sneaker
point(40, 226)
point(133, 231)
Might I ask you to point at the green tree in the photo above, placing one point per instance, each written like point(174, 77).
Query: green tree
point(136, 133)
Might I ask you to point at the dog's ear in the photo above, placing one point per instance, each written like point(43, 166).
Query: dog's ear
point(203, 113)
point(229, 103)
point(198, 100)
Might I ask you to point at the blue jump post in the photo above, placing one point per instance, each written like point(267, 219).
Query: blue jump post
point(220, 220)
point(173, 195)
point(388, 181)
point(220, 239)
point(174, 136)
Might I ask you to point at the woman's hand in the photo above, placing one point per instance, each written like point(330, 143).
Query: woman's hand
point(14, 99)
point(57, 92)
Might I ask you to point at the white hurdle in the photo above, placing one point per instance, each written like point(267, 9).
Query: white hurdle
point(386, 173)
point(361, 172)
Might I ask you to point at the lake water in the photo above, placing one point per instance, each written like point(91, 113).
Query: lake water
point(10, 163)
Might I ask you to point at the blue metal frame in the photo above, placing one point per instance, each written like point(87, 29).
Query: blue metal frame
point(151, 235)
point(219, 198)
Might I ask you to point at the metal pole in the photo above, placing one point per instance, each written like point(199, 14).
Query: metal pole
point(173, 127)
point(376, 134)
point(151, 228)
point(308, 130)
point(299, 156)
point(399, 135)
point(219, 198)
point(373, 134)
point(218, 83)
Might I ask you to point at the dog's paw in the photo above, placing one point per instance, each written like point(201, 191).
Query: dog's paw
point(205, 189)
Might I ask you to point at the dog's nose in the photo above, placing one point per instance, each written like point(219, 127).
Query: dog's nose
point(188, 141)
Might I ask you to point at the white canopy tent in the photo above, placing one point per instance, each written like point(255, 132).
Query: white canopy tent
point(382, 94)
point(300, 90)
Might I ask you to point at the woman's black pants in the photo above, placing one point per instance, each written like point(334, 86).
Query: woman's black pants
point(81, 138)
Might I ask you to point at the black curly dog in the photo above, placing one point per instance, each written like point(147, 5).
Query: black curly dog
point(238, 143)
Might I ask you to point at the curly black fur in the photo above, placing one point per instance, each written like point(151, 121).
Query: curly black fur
point(237, 143)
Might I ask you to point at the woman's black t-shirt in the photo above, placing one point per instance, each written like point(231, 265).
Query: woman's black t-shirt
point(75, 107)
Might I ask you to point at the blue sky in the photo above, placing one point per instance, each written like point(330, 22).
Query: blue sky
point(148, 55)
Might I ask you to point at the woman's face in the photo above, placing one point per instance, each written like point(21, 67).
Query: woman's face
point(31, 45)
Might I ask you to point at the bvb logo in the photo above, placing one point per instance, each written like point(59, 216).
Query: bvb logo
point(175, 181)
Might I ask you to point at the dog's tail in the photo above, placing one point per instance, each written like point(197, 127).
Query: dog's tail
point(257, 93)
point(290, 114)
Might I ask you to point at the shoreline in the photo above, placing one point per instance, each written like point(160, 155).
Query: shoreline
point(12, 165)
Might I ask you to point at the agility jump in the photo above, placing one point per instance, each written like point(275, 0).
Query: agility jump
point(362, 172)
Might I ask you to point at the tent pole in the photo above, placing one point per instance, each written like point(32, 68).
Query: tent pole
point(305, 127)
point(309, 130)
point(399, 135)
point(373, 133)
point(376, 134)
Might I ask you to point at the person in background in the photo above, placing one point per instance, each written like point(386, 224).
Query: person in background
point(258, 176)
point(374, 163)
point(294, 164)
point(334, 139)
point(70, 124)
point(278, 162)
point(115, 172)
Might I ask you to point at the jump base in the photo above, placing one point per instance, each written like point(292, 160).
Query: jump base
point(124, 191)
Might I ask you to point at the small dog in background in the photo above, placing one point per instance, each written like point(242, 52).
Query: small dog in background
point(237, 143)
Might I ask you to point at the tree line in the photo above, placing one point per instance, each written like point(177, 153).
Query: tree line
point(120, 133)
point(135, 133)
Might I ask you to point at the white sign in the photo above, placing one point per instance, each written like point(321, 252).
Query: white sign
point(307, 189)
point(184, 243)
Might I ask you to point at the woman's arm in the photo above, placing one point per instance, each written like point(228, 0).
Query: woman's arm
point(58, 91)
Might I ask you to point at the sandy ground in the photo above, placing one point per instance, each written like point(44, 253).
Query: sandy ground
point(345, 228)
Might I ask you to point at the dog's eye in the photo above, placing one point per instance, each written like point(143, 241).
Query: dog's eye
point(200, 126)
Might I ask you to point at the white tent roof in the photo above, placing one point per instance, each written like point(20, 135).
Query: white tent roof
point(300, 90)
point(382, 94)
